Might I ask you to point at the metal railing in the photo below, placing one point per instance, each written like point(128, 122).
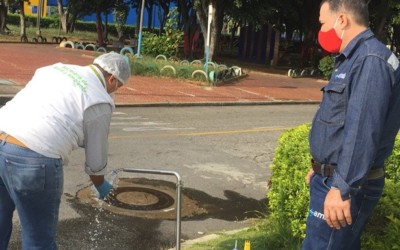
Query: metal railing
point(178, 196)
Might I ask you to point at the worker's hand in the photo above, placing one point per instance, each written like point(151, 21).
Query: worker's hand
point(104, 189)
point(336, 211)
point(309, 176)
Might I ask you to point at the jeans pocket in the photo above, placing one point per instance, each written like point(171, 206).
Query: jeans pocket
point(26, 178)
point(327, 181)
point(366, 208)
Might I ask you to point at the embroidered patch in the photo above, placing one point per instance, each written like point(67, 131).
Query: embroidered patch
point(340, 76)
point(393, 61)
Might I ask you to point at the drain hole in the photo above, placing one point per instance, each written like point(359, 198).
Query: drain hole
point(142, 199)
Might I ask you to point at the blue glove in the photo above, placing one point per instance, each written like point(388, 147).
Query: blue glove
point(104, 189)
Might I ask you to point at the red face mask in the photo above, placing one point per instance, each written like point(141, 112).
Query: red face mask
point(329, 40)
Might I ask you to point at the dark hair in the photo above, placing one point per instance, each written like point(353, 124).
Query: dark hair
point(357, 8)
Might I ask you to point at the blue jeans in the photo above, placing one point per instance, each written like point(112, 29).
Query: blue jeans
point(319, 235)
point(33, 184)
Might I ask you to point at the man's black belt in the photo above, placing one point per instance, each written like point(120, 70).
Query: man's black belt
point(328, 170)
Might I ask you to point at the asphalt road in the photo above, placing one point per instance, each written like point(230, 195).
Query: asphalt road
point(222, 154)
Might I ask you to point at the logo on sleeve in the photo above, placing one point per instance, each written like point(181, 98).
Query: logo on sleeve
point(340, 76)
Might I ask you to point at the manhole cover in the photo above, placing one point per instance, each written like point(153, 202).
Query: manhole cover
point(142, 197)
point(139, 198)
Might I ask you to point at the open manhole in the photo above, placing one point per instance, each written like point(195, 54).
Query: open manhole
point(142, 197)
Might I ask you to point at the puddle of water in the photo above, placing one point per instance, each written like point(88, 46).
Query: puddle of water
point(155, 199)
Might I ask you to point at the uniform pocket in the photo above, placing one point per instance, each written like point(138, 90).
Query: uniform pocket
point(332, 108)
point(26, 178)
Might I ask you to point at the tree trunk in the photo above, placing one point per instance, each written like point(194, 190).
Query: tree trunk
point(382, 18)
point(99, 28)
point(63, 16)
point(202, 16)
point(71, 26)
point(137, 22)
point(216, 26)
point(22, 19)
point(105, 27)
point(3, 16)
point(149, 9)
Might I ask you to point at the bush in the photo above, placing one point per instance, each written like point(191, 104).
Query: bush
point(289, 193)
point(167, 43)
point(289, 196)
point(326, 66)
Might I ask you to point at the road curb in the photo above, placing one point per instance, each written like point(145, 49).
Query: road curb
point(208, 237)
point(5, 98)
point(205, 104)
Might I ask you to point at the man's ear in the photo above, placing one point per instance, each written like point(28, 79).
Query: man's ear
point(343, 21)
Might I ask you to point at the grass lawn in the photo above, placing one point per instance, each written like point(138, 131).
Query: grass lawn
point(264, 235)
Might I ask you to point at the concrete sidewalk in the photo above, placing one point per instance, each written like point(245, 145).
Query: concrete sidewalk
point(19, 62)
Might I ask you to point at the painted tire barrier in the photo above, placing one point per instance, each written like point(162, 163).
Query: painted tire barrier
point(165, 68)
point(211, 77)
point(90, 47)
point(293, 72)
point(222, 67)
point(160, 56)
point(79, 46)
point(237, 70)
point(34, 40)
point(194, 62)
point(40, 39)
point(315, 72)
point(102, 49)
point(126, 49)
point(127, 59)
point(44, 40)
point(208, 65)
point(304, 72)
point(54, 39)
point(24, 39)
point(67, 44)
point(173, 59)
point(200, 73)
point(183, 62)
point(64, 39)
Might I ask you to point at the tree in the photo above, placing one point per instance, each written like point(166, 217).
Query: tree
point(218, 7)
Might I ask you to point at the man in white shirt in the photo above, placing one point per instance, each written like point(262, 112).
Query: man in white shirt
point(62, 108)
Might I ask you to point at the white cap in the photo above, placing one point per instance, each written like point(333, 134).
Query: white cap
point(116, 65)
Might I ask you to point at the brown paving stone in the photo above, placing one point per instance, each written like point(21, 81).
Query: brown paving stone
point(19, 62)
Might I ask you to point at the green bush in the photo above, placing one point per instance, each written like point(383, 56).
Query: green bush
point(326, 66)
point(289, 196)
point(289, 193)
point(167, 43)
point(45, 22)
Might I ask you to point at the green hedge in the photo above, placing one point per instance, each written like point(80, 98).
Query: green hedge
point(289, 193)
point(52, 22)
point(45, 22)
